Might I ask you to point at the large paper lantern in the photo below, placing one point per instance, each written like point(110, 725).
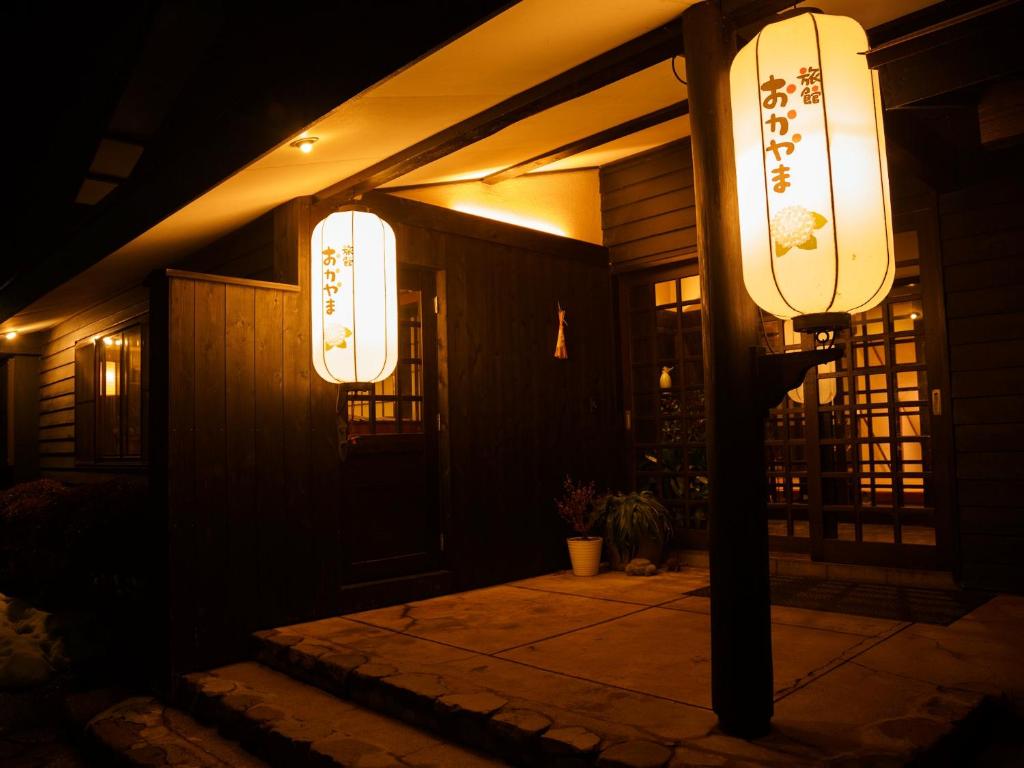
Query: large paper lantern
point(354, 291)
point(813, 187)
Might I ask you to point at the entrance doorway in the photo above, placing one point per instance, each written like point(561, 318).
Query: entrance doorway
point(663, 392)
point(855, 456)
point(391, 468)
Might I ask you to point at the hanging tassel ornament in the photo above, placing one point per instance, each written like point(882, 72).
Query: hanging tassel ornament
point(560, 351)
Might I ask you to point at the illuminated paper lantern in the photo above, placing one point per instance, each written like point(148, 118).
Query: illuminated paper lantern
point(354, 294)
point(826, 387)
point(813, 186)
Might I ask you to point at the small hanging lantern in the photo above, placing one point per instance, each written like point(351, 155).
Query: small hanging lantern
point(354, 294)
point(813, 186)
point(560, 349)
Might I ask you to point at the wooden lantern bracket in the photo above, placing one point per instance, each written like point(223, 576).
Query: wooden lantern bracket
point(779, 373)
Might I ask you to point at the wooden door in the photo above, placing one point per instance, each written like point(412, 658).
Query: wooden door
point(857, 461)
point(392, 525)
point(663, 391)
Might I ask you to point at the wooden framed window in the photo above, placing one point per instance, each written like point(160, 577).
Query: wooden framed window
point(110, 396)
point(395, 406)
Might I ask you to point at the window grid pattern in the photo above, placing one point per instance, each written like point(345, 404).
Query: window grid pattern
point(667, 393)
point(395, 405)
point(786, 452)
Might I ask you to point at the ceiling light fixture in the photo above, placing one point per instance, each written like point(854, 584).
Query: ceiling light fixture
point(11, 335)
point(304, 144)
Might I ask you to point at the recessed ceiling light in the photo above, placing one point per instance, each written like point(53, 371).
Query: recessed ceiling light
point(11, 335)
point(304, 144)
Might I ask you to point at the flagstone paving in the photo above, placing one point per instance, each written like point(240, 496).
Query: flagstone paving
point(614, 668)
point(611, 671)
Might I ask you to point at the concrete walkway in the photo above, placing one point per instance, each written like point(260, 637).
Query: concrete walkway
point(604, 662)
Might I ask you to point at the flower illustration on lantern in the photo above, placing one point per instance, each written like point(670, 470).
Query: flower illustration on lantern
point(793, 227)
point(337, 339)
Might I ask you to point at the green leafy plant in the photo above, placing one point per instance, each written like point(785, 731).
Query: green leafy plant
point(628, 519)
point(576, 506)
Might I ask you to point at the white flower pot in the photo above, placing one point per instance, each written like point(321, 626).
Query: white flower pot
point(585, 554)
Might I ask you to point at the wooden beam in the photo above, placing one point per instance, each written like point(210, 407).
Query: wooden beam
point(657, 117)
point(741, 644)
point(740, 14)
point(611, 66)
point(959, 53)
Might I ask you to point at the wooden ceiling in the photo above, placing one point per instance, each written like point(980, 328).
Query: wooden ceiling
point(541, 86)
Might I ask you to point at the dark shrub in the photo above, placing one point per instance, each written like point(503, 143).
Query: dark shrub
point(89, 547)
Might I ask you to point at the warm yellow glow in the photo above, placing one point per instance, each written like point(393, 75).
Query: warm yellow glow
point(11, 335)
point(110, 378)
point(509, 217)
point(108, 341)
point(826, 386)
point(305, 143)
point(914, 315)
point(354, 296)
point(815, 220)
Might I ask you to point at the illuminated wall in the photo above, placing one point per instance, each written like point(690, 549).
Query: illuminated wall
point(566, 203)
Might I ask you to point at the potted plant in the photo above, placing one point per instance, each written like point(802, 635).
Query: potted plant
point(576, 508)
point(634, 524)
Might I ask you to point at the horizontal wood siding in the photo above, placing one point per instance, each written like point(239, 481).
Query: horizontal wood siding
point(983, 258)
point(57, 377)
point(647, 208)
point(256, 505)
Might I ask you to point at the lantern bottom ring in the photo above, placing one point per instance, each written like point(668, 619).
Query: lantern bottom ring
point(820, 322)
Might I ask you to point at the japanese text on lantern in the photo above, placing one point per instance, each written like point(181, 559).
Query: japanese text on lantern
point(335, 333)
point(784, 140)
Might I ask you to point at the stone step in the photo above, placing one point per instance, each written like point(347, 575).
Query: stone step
point(141, 731)
point(289, 723)
point(478, 718)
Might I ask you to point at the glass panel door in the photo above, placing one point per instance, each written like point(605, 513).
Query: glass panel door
point(664, 392)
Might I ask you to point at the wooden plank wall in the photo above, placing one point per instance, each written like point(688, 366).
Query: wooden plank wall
point(252, 472)
point(647, 208)
point(247, 252)
point(57, 376)
point(983, 264)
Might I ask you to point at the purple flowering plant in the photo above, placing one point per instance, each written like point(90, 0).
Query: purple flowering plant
point(576, 506)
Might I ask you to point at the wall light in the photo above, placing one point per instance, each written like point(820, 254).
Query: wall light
point(11, 335)
point(354, 298)
point(815, 218)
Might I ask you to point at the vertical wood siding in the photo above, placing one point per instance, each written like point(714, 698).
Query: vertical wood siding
point(255, 498)
point(983, 261)
point(647, 208)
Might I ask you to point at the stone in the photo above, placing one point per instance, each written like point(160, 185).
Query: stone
point(264, 713)
point(572, 740)
point(476, 704)
point(519, 724)
point(375, 671)
point(635, 754)
point(347, 751)
point(147, 754)
point(241, 702)
point(641, 566)
point(214, 686)
point(417, 685)
point(285, 639)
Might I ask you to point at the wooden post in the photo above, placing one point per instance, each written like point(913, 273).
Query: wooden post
point(741, 645)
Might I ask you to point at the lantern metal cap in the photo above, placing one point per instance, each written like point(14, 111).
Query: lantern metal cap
point(821, 322)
